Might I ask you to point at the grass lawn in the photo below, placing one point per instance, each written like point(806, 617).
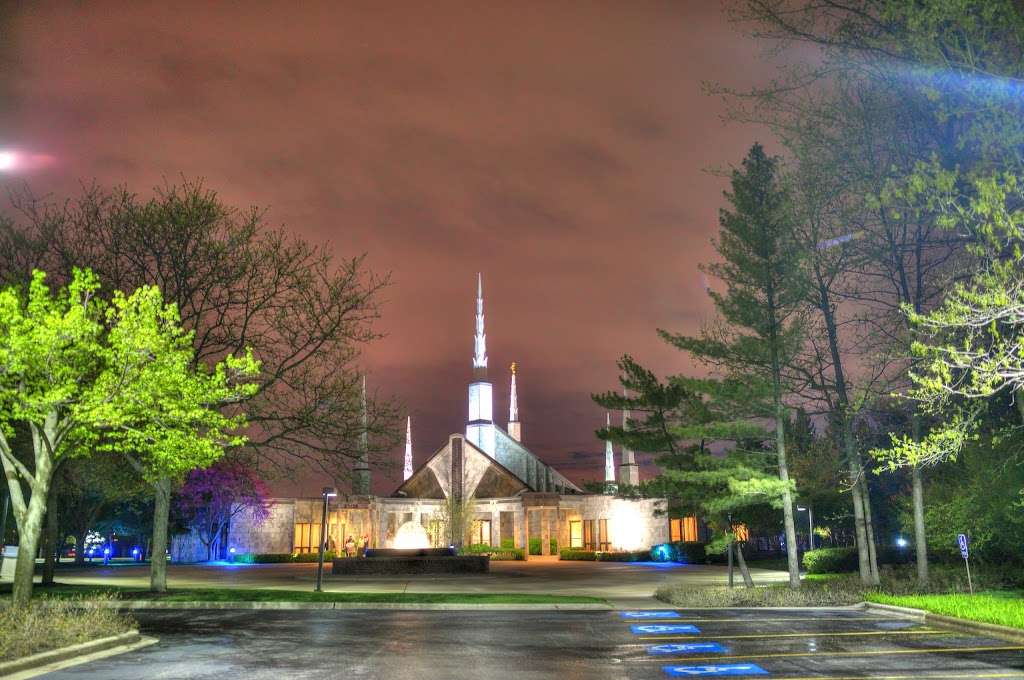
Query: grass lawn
point(270, 595)
point(1005, 608)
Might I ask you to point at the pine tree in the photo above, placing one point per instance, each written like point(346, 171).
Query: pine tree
point(758, 330)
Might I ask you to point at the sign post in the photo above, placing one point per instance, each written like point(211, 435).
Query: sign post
point(961, 540)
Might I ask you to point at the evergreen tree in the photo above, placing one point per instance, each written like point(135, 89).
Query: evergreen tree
point(758, 331)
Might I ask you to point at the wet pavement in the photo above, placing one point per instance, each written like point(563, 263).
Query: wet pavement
point(776, 644)
point(542, 576)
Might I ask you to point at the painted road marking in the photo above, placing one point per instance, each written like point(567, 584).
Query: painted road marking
point(916, 676)
point(687, 648)
point(650, 615)
point(639, 629)
point(873, 652)
point(804, 619)
point(715, 670)
point(857, 633)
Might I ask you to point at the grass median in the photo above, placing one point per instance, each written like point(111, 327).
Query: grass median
point(61, 591)
point(1004, 608)
point(947, 593)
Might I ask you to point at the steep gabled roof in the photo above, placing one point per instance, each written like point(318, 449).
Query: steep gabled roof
point(512, 470)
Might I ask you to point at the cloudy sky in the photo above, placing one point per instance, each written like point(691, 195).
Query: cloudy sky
point(561, 149)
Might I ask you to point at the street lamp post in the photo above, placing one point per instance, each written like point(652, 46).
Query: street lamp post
point(327, 493)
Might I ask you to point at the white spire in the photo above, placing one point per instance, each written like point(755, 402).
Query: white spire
point(629, 473)
point(513, 409)
point(480, 424)
point(513, 402)
point(407, 469)
point(480, 339)
point(609, 454)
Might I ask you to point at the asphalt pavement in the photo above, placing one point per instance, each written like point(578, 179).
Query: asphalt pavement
point(493, 645)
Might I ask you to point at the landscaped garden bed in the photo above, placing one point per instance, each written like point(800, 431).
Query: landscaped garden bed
point(51, 623)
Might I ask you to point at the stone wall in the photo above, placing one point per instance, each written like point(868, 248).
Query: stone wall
point(633, 523)
point(275, 535)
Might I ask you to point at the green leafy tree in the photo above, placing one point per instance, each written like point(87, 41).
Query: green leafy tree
point(759, 330)
point(75, 369)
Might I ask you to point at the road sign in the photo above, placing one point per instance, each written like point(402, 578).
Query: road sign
point(650, 615)
point(664, 628)
point(961, 540)
point(716, 670)
point(687, 648)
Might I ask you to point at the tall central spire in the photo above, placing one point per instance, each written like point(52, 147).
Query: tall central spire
point(629, 473)
point(480, 426)
point(480, 339)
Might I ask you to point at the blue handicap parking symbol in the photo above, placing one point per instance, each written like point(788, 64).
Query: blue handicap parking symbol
point(663, 628)
point(714, 670)
point(650, 615)
point(687, 648)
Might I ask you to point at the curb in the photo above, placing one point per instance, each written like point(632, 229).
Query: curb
point(53, 656)
point(411, 606)
point(950, 622)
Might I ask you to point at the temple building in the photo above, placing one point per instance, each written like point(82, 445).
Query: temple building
point(514, 495)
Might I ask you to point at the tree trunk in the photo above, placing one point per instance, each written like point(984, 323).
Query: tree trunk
point(859, 525)
point(29, 532)
point(920, 540)
point(869, 525)
point(792, 557)
point(51, 542)
point(747, 581)
point(80, 547)
point(161, 516)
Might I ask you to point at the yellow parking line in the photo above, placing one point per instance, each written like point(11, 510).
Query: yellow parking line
point(874, 652)
point(923, 631)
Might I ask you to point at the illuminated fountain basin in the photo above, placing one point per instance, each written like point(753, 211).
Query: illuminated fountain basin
point(410, 536)
point(410, 553)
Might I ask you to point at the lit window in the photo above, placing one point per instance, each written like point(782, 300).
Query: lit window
point(575, 534)
point(742, 533)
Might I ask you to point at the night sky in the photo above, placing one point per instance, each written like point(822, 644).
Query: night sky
point(559, 148)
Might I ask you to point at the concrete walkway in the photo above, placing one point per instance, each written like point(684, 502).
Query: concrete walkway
point(629, 582)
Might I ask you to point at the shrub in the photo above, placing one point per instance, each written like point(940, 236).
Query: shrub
point(277, 558)
point(51, 623)
point(599, 556)
point(535, 546)
point(830, 560)
point(507, 554)
point(508, 543)
point(579, 555)
point(687, 553)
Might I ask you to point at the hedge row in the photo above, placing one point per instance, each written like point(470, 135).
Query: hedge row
point(497, 554)
point(839, 560)
point(602, 556)
point(276, 558)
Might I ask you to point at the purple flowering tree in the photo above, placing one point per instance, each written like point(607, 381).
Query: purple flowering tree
point(213, 496)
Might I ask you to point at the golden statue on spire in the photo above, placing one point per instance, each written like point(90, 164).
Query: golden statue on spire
point(513, 368)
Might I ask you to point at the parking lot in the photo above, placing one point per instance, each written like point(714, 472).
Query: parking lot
point(802, 644)
point(588, 645)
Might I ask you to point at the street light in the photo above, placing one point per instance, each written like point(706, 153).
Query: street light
point(810, 526)
point(327, 493)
